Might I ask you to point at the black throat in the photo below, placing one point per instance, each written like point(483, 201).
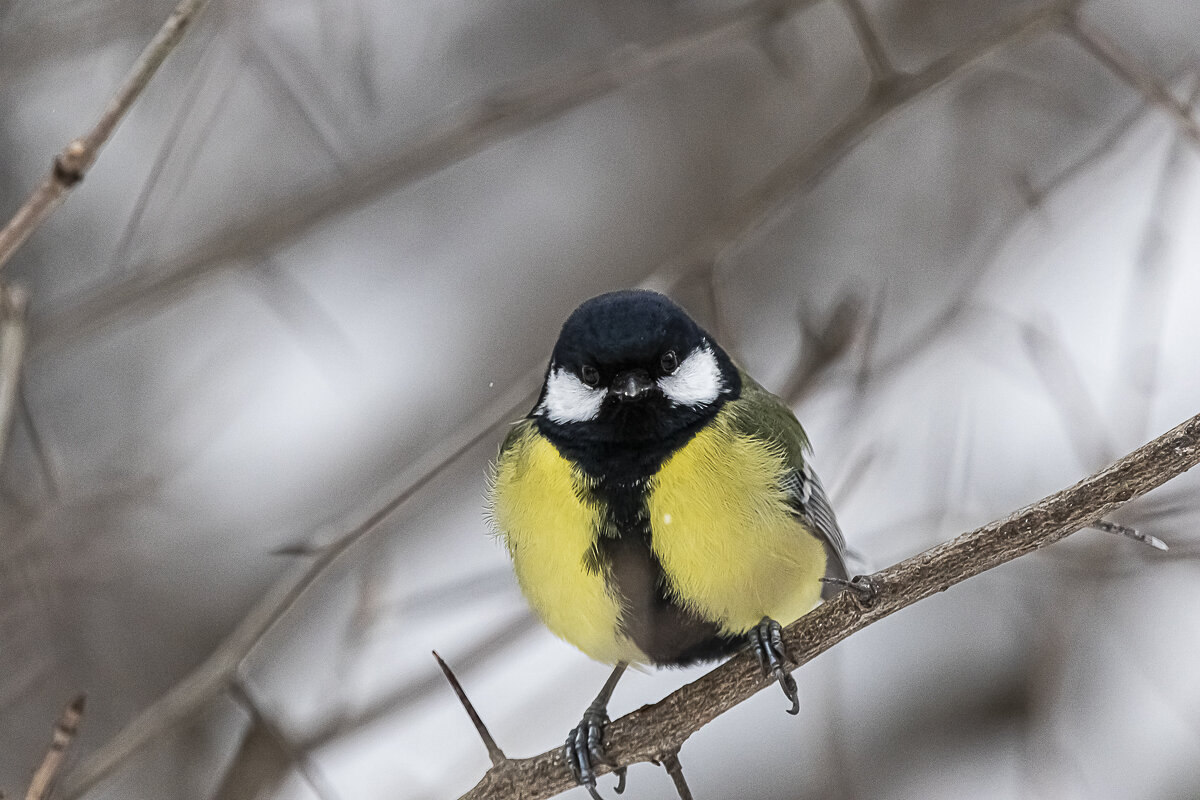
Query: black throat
point(628, 443)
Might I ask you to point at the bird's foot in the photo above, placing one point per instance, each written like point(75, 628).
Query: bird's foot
point(863, 588)
point(585, 747)
point(766, 639)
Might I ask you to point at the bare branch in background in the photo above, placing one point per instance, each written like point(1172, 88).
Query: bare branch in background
point(821, 345)
point(1064, 383)
point(505, 637)
point(468, 130)
point(218, 671)
point(1150, 290)
point(14, 309)
point(1128, 69)
point(452, 137)
point(761, 207)
point(64, 734)
point(880, 66)
point(654, 732)
point(266, 757)
point(76, 159)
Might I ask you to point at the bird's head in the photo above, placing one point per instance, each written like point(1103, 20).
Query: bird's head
point(632, 366)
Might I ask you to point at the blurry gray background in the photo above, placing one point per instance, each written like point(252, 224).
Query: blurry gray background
point(278, 331)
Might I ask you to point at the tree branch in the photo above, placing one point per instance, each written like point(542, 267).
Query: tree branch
point(1128, 69)
point(750, 215)
point(72, 164)
point(451, 137)
point(64, 734)
point(14, 307)
point(654, 733)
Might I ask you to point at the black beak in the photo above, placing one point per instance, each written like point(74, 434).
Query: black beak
point(631, 385)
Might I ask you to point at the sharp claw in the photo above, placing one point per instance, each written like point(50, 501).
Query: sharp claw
point(767, 642)
point(790, 691)
point(620, 781)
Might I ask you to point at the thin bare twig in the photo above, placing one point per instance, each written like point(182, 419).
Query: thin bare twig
point(220, 669)
point(40, 449)
point(763, 206)
point(1068, 393)
point(494, 752)
point(458, 134)
point(509, 636)
point(822, 345)
point(671, 764)
point(247, 778)
point(653, 732)
point(878, 63)
point(14, 310)
point(1036, 192)
point(443, 145)
point(1149, 294)
point(64, 734)
point(73, 162)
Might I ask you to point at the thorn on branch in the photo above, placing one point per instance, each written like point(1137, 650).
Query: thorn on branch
point(670, 762)
point(494, 752)
point(864, 589)
point(1129, 533)
point(64, 734)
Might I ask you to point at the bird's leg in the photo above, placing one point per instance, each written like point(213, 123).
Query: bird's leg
point(585, 743)
point(766, 639)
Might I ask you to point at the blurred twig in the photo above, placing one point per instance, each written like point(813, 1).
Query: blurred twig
point(1128, 69)
point(72, 164)
point(653, 732)
point(516, 108)
point(466, 132)
point(266, 756)
point(880, 66)
point(220, 669)
point(64, 734)
point(14, 307)
point(1149, 294)
point(822, 345)
point(763, 206)
point(456, 135)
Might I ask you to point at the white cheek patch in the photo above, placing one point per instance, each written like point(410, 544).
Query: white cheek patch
point(696, 381)
point(569, 399)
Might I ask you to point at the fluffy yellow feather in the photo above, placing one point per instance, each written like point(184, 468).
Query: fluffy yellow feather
point(549, 532)
point(729, 543)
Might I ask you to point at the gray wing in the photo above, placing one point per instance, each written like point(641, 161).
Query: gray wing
point(811, 504)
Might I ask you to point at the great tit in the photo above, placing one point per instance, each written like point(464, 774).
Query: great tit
point(658, 504)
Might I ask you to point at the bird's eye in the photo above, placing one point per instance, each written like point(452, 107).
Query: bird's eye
point(669, 362)
point(589, 374)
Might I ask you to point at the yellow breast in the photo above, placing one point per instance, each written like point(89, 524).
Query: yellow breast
point(550, 531)
point(728, 542)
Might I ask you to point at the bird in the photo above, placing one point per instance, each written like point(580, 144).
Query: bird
point(659, 505)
